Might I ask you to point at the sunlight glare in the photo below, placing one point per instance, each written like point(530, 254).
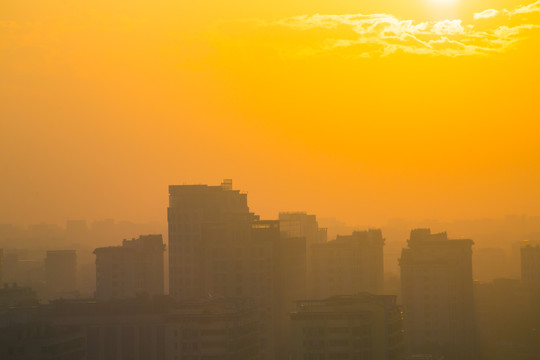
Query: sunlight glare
point(443, 2)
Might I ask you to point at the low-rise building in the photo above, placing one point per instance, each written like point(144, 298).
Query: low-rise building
point(215, 329)
point(25, 334)
point(134, 268)
point(355, 327)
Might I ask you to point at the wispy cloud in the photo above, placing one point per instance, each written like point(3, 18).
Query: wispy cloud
point(375, 35)
point(527, 9)
point(486, 14)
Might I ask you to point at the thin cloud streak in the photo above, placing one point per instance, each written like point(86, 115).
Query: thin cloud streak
point(527, 9)
point(486, 14)
point(379, 35)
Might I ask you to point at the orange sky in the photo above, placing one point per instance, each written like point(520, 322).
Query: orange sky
point(360, 110)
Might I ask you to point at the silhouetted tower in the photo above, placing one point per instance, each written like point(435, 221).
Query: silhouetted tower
point(530, 278)
point(530, 266)
point(202, 217)
point(437, 293)
point(218, 248)
point(1, 266)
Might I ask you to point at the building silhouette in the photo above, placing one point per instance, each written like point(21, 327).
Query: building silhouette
point(218, 248)
point(138, 328)
point(214, 329)
point(1, 266)
point(347, 265)
point(530, 279)
point(354, 327)
point(133, 328)
point(296, 225)
point(134, 268)
point(437, 295)
point(15, 296)
point(506, 322)
point(25, 336)
point(530, 266)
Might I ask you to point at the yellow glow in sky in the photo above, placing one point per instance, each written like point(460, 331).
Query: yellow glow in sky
point(444, 2)
point(360, 110)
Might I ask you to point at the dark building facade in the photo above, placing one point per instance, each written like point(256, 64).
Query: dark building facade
point(218, 248)
point(437, 294)
point(214, 329)
point(134, 268)
point(353, 327)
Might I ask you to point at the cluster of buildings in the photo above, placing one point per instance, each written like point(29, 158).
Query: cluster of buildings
point(242, 288)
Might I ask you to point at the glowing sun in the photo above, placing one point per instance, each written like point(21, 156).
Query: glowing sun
point(443, 2)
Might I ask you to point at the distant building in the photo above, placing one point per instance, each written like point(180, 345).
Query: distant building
point(530, 278)
point(291, 287)
point(24, 335)
point(61, 273)
point(508, 328)
point(17, 296)
point(25, 268)
point(214, 329)
point(530, 266)
point(134, 268)
point(437, 293)
point(1, 266)
point(117, 329)
point(161, 328)
point(357, 327)
point(296, 225)
point(347, 265)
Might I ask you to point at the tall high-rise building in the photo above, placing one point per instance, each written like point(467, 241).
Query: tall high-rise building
point(437, 295)
point(530, 266)
point(291, 287)
point(218, 248)
point(347, 265)
point(134, 268)
point(1, 266)
point(530, 278)
point(61, 273)
point(296, 225)
point(355, 327)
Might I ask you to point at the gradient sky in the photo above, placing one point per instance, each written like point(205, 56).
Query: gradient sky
point(360, 110)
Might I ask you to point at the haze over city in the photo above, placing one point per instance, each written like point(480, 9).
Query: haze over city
point(269, 180)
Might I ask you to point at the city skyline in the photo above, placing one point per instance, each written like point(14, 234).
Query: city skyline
point(269, 180)
point(242, 287)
